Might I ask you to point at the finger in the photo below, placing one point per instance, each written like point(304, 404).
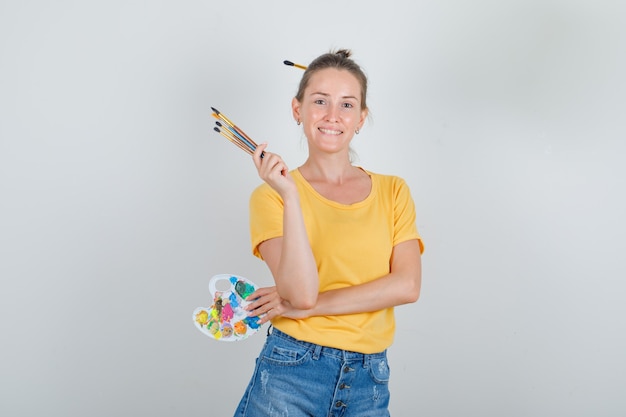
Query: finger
point(254, 305)
point(261, 306)
point(271, 314)
point(255, 295)
point(264, 319)
point(260, 293)
point(256, 156)
point(271, 162)
point(265, 305)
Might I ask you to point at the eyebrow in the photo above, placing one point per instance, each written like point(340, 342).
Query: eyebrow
point(327, 95)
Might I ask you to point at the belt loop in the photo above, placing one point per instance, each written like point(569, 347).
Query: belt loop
point(316, 352)
point(366, 361)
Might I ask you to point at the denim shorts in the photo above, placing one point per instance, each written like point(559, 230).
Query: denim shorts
point(296, 379)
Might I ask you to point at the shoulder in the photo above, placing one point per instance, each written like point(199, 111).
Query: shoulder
point(264, 194)
point(261, 189)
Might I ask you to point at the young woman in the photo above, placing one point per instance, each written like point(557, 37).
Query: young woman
point(343, 248)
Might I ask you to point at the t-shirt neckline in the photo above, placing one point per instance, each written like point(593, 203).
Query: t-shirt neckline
point(361, 203)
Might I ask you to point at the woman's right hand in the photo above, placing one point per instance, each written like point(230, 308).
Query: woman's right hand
point(273, 170)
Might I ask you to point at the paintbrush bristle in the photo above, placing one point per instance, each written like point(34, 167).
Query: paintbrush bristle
point(234, 133)
point(291, 64)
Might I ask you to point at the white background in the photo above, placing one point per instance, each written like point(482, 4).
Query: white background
point(118, 202)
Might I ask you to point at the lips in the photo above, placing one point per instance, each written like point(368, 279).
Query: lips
point(330, 131)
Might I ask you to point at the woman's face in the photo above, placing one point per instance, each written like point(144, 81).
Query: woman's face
point(330, 110)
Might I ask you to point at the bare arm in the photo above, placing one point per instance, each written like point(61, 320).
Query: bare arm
point(289, 258)
point(401, 286)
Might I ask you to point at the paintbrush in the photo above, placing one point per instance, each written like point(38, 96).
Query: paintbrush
point(233, 133)
point(291, 64)
point(233, 140)
point(237, 136)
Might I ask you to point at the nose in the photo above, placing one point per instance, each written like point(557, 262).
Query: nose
point(333, 113)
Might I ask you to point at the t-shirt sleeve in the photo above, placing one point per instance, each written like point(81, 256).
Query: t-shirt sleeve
point(266, 216)
point(404, 215)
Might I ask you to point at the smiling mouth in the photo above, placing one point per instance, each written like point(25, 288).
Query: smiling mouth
point(330, 131)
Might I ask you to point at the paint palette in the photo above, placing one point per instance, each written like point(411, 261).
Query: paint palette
point(226, 320)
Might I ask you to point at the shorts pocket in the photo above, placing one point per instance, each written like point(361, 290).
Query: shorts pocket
point(379, 370)
point(285, 353)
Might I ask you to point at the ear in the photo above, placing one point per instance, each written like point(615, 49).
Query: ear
point(364, 114)
point(295, 109)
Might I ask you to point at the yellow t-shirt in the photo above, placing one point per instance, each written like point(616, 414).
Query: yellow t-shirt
point(352, 244)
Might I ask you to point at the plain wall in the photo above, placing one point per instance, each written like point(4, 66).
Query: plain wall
point(118, 201)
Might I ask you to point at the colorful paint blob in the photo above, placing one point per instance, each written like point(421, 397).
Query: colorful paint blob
point(226, 320)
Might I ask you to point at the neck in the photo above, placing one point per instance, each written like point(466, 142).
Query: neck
point(331, 169)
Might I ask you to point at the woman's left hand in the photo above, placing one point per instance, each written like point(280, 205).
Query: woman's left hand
point(267, 305)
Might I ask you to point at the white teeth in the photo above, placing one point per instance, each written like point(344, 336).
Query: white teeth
point(330, 132)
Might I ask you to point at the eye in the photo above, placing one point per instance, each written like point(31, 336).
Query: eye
point(347, 105)
point(319, 101)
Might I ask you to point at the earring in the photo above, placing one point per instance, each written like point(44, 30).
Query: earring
point(298, 122)
point(357, 131)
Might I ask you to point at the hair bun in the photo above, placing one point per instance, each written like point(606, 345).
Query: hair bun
point(344, 53)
